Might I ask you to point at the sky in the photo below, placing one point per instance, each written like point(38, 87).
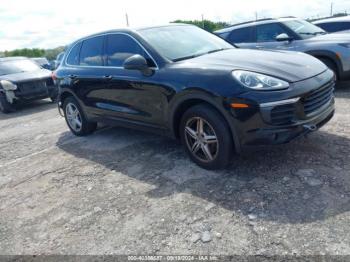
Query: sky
point(48, 24)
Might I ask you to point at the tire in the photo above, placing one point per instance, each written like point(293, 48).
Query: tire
point(5, 106)
point(53, 99)
point(73, 111)
point(214, 128)
point(331, 65)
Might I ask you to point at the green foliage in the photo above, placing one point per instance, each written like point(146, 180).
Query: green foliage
point(50, 54)
point(35, 52)
point(205, 24)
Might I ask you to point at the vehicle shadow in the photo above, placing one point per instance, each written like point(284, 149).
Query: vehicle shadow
point(301, 182)
point(28, 108)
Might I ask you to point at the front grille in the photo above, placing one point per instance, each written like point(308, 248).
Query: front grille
point(32, 88)
point(318, 98)
point(283, 114)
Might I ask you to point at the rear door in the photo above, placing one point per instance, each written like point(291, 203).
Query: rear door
point(87, 74)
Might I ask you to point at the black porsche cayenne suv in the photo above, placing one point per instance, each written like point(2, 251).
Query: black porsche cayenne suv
point(181, 81)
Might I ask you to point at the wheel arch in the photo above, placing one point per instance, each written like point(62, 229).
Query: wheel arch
point(188, 101)
point(324, 54)
point(64, 95)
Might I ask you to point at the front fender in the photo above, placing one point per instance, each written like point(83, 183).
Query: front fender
point(216, 102)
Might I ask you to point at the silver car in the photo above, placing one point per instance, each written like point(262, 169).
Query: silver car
point(293, 34)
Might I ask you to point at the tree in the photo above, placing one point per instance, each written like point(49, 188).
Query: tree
point(207, 25)
point(50, 54)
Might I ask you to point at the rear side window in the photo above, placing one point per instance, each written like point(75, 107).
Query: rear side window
point(91, 53)
point(242, 35)
point(120, 47)
point(73, 57)
point(268, 32)
point(335, 26)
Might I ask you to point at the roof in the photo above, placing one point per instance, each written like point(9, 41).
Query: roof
point(133, 29)
point(255, 22)
point(333, 19)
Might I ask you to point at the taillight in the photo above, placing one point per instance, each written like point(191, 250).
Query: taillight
point(53, 75)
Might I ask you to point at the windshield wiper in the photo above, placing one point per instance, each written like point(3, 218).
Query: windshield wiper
point(187, 57)
point(314, 33)
point(217, 50)
point(200, 54)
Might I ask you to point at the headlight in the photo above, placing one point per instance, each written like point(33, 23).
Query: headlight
point(7, 85)
point(259, 81)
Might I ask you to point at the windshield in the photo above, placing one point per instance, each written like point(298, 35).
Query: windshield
point(17, 66)
point(183, 42)
point(304, 29)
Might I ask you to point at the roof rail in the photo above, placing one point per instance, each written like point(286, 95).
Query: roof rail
point(252, 21)
point(260, 20)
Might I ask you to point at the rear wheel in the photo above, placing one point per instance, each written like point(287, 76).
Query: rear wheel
point(206, 137)
point(76, 119)
point(5, 106)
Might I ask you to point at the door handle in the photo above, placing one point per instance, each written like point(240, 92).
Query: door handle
point(108, 77)
point(73, 76)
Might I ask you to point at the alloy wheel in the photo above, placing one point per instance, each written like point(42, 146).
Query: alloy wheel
point(73, 117)
point(201, 139)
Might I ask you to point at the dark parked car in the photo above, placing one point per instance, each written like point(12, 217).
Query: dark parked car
point(43, 62)
point(21, 79)
point(333, 25)
point(294, 34)
point(184, 82)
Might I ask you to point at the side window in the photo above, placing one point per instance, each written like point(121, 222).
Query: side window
point(337, 26)
point(242, 35)
point(73, 58)
point(268, 32)
point(120, 47)
point(91, 52)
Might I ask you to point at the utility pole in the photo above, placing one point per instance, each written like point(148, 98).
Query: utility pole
point(256, 16)
point(202, 21)
point(127, 19)
point(332, 9)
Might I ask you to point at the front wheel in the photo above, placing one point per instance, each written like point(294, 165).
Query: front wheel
point(76, 119)
point(206, 137)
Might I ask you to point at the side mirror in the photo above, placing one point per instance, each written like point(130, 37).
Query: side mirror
point(284, 37)
point(138, 62)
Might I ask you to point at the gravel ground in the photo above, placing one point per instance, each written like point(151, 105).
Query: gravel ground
point(127, 192)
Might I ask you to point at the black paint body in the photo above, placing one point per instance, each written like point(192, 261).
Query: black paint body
point(156, 102)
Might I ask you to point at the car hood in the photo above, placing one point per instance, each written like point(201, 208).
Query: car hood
point(27, 76)
point(338, 37)
point(290, 66)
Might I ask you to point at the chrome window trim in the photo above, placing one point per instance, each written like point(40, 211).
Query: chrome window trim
point(106, 34)
point(281, 102)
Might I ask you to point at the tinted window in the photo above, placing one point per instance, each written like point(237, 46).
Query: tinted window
point(268, 32)
point(335, 26)
point(120, 47)
point(91, 52)
point(242, 35)
point(73, 58)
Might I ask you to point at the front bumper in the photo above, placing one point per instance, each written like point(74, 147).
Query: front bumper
point(279, 135)
point(279, 117)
